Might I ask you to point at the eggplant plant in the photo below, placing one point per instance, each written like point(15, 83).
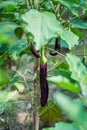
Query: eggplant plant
point(36, 28)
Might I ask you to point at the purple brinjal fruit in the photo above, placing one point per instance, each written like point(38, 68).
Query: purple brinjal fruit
point(57, 48)
point(34, 52)
point(43, 83)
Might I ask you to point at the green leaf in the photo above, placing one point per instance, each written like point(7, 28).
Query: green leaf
point(17, 47)
point(79, 71)
point(63, 80)
point(63, 66)
point(7, 31)
point(44, 26)
point(5, 4)
point(70, 38)
point(5, 39)
point(78, 23)
point(73, 108)
point(63, 126)
point(77, 32)
point(63, 44)
point(3, 48)
point(4, 77)
point(3, 57)
point(8, 27)
point(50, 113)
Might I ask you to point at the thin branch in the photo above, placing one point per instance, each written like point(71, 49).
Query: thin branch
point(58, 53)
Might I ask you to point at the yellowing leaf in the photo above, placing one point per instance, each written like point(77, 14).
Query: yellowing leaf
point(50, 113)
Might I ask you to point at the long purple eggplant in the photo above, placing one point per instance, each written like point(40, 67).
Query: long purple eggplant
point(43, 83)
point(34, 52)
point(57, 48)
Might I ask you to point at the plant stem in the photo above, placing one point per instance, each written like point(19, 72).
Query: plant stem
point(30, 1)
point(56, 52)
point(35, 98)
point(42, 58)
point(57, 8)
point(36, 4)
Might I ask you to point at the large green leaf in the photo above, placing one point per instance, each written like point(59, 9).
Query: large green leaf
point(50, 113)
point(73, 108)
point(44, 26)
point(63, 80)
point(78, 23)
point(79, 72)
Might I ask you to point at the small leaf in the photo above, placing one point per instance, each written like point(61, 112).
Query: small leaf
point(63, 66)
point(4, 77)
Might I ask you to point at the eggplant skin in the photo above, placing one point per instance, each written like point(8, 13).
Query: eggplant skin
point(57, 48)
point(57, 45)
point(52, 53)
point(43, 84)
point(34, 52)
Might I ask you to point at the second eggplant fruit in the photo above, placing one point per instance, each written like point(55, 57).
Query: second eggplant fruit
point(57, 48)
point(33, 50)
